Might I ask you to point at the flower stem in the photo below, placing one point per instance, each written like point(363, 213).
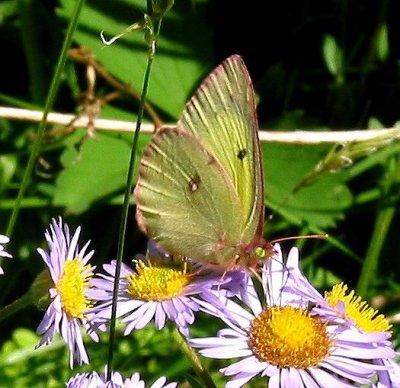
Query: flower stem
point(181, 340)
point(19, 304)
point(48, 106)
point(129, 183)
point(382, 224)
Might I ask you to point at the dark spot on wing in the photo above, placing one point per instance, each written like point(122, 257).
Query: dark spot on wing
point(194, 183)
point(211, 159)
point(242, 153)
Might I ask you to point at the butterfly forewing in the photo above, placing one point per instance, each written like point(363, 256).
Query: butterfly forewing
point(185, 199)
point(222, 114)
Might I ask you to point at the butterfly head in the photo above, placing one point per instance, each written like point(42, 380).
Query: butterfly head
point(251, 255)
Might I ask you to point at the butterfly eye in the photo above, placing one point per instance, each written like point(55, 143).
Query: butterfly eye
point(260, 252)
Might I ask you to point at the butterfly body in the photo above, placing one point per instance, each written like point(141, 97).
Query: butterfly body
point(200, 188)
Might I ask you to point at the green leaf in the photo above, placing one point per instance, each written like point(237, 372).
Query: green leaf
point(374, 123)
point(8, 165)
point(318, 205)
point(97, 170)
point(382, 43)
point(181, 51)
point(333, 57)
point(323, 278)
point(21, 346)
point(8, 8)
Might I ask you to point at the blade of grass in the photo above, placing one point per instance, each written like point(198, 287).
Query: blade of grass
point(127, 194)
point(48, 106)
point(379, 234)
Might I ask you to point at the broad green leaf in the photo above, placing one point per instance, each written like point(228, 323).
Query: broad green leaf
point(319, 205)
point(97, 170)
point(182, 52)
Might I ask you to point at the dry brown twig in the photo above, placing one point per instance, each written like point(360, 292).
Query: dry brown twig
point(84, 56)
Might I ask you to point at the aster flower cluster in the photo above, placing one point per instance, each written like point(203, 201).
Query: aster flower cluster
point(294, 337)
point(287, 334)
point(96, 380)
point(158, 288)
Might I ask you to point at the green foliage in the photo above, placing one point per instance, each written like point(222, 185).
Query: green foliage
point(332, 66)
point(318, 206)
point(101, 164)
point(21, 365)
point(180, 57)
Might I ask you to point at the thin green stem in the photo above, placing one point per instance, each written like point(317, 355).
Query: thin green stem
point(15, 306)
point(26, 203)
point(127, 197)
point(379, 234)
point(48, 106)
point(15, 102)
point(198, 367)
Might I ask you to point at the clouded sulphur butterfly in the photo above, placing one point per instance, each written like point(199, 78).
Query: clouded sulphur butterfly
point(200, 187)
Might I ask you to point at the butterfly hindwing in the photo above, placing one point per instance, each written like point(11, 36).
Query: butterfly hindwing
point(186, 200)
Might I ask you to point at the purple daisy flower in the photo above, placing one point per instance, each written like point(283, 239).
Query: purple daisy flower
point(389, 378)
point(3, 253)
point(346, 308)
point(277, 336)
point(70, 274)
point(95, 380)
point(159, 287)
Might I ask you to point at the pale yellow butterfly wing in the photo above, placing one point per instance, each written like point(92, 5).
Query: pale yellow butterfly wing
point(222, 113)
point(186, 201)
point(200, 186)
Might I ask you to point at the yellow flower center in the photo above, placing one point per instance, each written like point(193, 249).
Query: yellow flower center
point(289, 337)
point(356, 309)
point(161, 282)
point(71, 287)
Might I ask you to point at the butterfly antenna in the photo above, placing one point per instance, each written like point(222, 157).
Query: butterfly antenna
point(308, 236)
